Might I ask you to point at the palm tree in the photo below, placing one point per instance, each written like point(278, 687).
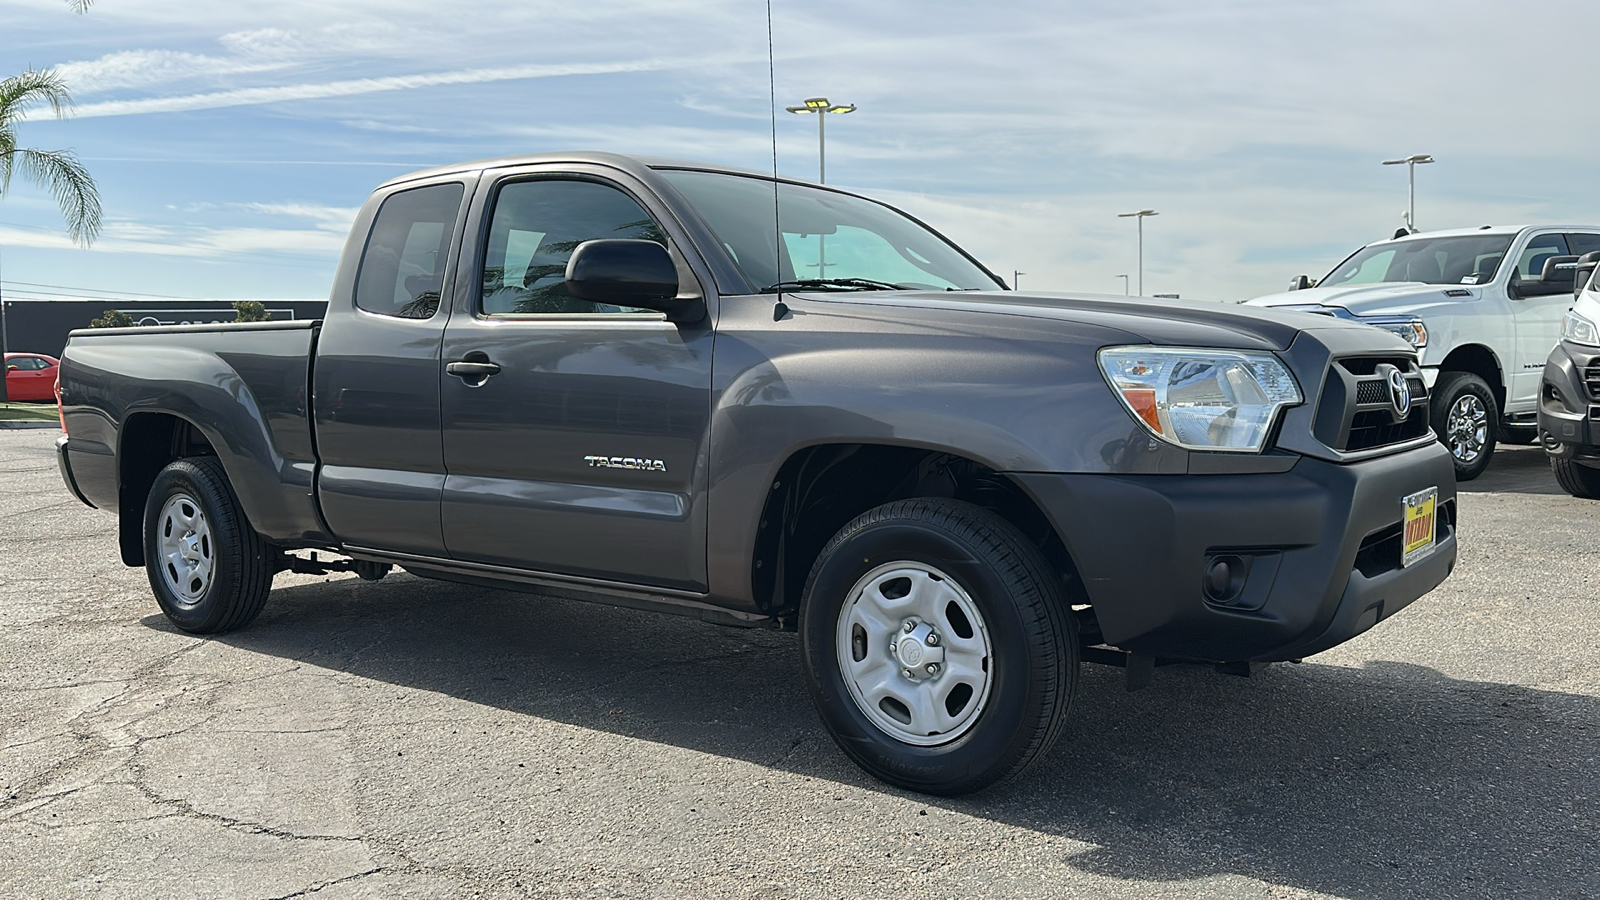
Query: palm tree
point(57, 171)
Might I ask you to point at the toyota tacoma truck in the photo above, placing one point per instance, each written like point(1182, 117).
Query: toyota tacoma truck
point(714, 392)
point(1481, 306)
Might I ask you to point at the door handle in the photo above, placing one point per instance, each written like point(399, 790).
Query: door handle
point(473, 372)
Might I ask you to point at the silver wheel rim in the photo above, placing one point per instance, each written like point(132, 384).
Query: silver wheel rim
point(915, 653)
point(1467, 428)
point(188, 554)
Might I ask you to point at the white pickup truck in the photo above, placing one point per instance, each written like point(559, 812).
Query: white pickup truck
point(1483, 307)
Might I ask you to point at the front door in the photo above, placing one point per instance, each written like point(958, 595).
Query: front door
point(1538, 323)
point(582, 450)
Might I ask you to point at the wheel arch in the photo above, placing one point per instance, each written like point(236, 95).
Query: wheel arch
point(146, 443)
point(1482, 362)
point(818, 489)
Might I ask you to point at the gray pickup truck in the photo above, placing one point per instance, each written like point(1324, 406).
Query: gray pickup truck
point(693, 389)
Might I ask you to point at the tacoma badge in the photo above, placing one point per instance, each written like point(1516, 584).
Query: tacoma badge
point(625, 462)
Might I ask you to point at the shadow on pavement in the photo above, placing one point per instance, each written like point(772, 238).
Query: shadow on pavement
point(1386, 781)
point(1515, 469)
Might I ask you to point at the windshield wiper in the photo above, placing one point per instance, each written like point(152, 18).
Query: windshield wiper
point(832, 284)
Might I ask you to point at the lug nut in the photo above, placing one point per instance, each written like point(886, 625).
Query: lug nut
point(932, 640)
point(909, 626)
point(907, 673)
point(933, 668)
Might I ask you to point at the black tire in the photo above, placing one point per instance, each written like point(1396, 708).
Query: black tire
point(1519, 435)
point(1576, 478)
point(223, 581)
point(1471, 446)
point(1030, 661)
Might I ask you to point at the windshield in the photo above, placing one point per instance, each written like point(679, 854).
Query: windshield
point(1462, 259)
point(830, 240)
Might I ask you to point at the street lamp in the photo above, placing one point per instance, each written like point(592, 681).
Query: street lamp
point(1016, 277)
point(1411, 162)
point(822, 107)
point(1124, 284)
point(1140, 215)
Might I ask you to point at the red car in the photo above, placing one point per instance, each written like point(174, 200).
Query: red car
point(31, 376)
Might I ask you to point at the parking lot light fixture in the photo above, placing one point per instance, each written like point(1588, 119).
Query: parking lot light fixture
point(1141, 215)
point(821, 107)
point(1124, 284)
point(1411, 162)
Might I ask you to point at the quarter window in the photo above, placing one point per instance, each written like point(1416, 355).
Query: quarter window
point(402, 269)
point(534, 229)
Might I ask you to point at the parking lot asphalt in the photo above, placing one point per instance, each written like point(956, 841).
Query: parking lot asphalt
point(410, 738)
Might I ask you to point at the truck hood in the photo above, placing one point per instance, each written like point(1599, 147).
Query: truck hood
point(1180, 323)
point(1386, 298)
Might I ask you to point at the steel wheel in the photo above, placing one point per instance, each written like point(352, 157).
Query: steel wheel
point(1467, 429)
point(187, 554)
point(914, 652)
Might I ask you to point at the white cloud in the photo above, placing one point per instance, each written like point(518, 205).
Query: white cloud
point(357, 86)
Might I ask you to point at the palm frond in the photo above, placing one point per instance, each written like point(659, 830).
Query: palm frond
point(79, 6)
point(19, 93)
point(59, 172)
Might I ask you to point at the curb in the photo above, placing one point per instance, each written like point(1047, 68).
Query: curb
point(25, 423)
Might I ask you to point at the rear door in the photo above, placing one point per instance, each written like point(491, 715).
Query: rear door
point(376, 377)
point(584, 453)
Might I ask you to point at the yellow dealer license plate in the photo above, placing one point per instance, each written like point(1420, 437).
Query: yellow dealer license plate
point(1419, 527)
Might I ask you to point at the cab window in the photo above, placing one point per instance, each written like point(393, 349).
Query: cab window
point(1530, 264)
point(402, 268)
point(533, 230)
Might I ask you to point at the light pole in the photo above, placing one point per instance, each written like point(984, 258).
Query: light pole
point(1411, 162)
point(1140, 215)
point(1015, 278)
point(821, 107)
point(1124, 284)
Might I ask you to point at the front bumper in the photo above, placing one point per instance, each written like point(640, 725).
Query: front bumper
point(1568, 423)
point(1320, 547)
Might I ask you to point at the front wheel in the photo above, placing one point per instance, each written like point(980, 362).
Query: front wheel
point(1576, 478)
point(938, 649)
point(1465, 416)
point(209, 569)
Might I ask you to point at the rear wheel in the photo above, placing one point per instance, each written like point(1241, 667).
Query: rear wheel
point(1465, 416)
point(938, 649)
point(1576, 478)
point(209, 569)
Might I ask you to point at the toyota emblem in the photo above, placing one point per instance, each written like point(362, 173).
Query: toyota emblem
point(1399, 391)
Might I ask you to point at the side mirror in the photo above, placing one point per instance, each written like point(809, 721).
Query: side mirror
point(630, 272)
point(1557, 277)
point(12, 368)
point(1584, 268)
point(1301, 282)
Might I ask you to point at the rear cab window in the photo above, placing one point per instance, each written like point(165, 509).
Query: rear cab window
point(402, 268)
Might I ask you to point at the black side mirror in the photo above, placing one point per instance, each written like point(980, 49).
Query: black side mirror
point(1585, 267)
point(1557, 277)
point(1301, 282)
point(630, 272)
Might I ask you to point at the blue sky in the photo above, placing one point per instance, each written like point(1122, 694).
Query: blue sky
point(233, 142)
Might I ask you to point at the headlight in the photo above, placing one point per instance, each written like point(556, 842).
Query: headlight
point(1201, 399)
point(1412, 331)
point(1578, 330)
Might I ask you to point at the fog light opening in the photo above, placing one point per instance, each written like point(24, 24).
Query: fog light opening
point(1223, 581)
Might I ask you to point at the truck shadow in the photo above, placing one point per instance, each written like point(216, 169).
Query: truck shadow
point(1515, 469)
point(1390, 780)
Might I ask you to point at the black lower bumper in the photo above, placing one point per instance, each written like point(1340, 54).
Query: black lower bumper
point(1315, 553)
point(1569, 421)
point(64, 463)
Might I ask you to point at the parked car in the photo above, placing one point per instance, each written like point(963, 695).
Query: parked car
point(1482, 307)
point(31, 376)
point(1569, 392)
point(630, 380)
